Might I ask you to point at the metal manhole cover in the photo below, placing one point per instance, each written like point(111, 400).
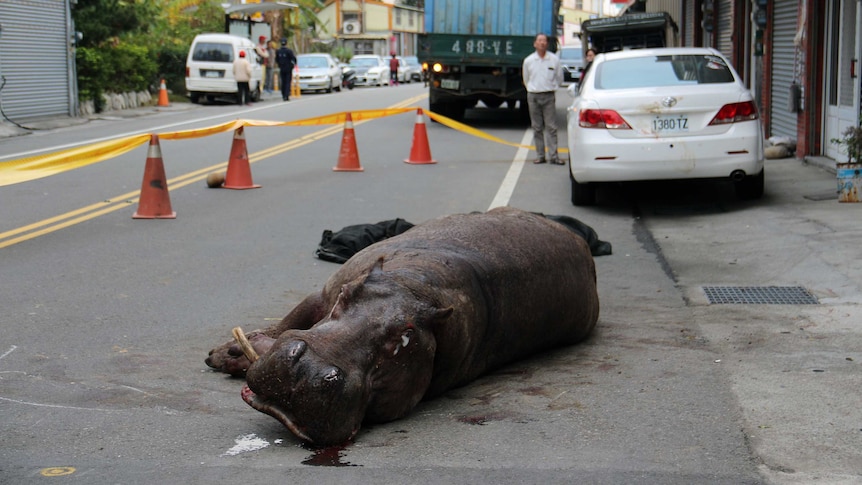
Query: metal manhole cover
point(760, 295)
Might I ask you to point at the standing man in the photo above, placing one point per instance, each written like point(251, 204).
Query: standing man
point(242, 74)
point(286, 59)
point(262, 53)
point(393, 70)
point(270, 67)
point(542, 76)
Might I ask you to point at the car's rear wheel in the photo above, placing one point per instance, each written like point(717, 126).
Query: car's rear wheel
point(329, 86)
point(751, 188)
point(582, 194)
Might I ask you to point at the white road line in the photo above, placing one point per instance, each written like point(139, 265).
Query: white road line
point(12, 349)
point(504, 193)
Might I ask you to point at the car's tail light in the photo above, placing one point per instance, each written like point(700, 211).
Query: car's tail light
point(733, 112)
point(602, 118)
point(187, 71)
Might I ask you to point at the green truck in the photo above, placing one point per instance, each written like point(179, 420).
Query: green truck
point(473, 51)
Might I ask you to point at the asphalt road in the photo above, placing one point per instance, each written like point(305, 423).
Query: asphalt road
point(107, 320)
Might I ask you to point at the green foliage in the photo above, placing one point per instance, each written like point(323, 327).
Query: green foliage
point(852, 143)
point(133, 67)
point(343, 54)
point(92, 75)
point(101, 20)
point(172, 66)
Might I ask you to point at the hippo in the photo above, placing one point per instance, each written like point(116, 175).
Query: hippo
point(415, 315)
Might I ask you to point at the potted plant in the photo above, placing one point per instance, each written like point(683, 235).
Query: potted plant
point(850, 173)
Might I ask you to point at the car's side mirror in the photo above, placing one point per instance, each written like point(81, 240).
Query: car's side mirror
point(572, 89)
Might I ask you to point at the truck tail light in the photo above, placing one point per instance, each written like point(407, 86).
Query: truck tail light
point(602, 118)
point(733, 112)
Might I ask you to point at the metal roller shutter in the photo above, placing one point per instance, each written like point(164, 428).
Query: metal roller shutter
point(724, 31)
point(688, 24)
point(785, 14)
point(35, 58)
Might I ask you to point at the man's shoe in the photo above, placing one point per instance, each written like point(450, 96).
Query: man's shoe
point(539, 160)
point(557, 161)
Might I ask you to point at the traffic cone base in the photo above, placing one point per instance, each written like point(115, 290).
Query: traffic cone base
point(155, 201)
point(238, 175)
point(163, 95)
point(348, 156)
point(420, 151)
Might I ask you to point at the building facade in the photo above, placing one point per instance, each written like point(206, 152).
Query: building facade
point(371, 26)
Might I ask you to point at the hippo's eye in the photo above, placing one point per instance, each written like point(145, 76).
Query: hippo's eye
point(332, 375)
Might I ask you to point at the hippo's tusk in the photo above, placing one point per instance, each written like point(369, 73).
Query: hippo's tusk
point(244, 344)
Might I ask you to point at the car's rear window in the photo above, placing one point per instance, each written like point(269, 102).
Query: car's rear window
point(312, 61)
point(654, 71)
point(571, 54)
point(363, 62)
point(213, 52)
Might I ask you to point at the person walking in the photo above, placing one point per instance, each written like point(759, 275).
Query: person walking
point(393, 70)
point(242, 75)
point(542, 76)
point(286, 59)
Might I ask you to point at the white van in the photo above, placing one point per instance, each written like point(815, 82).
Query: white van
point(209, 66)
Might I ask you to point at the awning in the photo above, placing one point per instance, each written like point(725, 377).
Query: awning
point(250, 8)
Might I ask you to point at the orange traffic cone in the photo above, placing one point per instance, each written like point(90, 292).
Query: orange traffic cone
point(163, 95)
point(348, 157)
point(155, 201)
point(238, 174)
point(420, 152)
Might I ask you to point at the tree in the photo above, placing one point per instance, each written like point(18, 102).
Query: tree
point(103, 20)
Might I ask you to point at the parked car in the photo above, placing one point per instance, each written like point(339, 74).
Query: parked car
point(572, 60)
point(370, 70)
point(318, 72)
point(413, 69)
point(209, 66)
point(660, 114)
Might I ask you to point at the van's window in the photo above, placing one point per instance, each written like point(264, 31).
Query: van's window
point(213, 52)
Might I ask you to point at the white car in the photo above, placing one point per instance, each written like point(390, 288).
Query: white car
point(318, 72)
point(370, 70)
point(663, 114)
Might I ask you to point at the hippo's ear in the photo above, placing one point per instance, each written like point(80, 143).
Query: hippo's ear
point(441, 314)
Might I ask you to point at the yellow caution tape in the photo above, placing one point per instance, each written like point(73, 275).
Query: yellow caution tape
point(36, 167)
point(31, 168)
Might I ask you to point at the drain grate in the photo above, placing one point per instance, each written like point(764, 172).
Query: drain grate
point(759, 295)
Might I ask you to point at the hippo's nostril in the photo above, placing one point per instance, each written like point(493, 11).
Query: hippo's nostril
point(296, 350)
point(332, 375)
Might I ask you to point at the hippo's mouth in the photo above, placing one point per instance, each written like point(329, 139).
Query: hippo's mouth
point(263, 406)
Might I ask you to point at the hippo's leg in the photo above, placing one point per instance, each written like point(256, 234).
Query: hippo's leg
point(228, 357)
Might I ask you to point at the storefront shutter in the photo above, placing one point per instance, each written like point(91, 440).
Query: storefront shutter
point(35, 59)
point(785, 15)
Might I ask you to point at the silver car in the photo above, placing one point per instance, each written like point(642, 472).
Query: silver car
point(412, 68)
point(572, 60)
point(370, 70)
point(318, 72)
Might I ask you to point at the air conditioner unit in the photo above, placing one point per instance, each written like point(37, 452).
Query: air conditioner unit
point(351, 27)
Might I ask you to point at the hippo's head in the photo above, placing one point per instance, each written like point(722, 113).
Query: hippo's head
point(370, 359)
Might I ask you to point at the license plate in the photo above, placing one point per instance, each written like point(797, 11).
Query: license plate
point(213, 73)
point(449, 83)
point(670, 124)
